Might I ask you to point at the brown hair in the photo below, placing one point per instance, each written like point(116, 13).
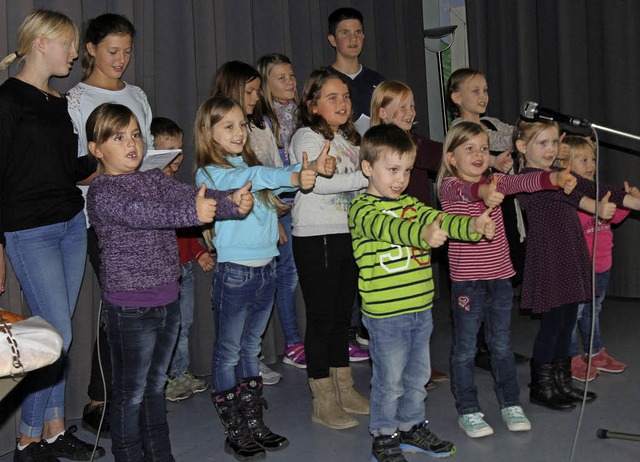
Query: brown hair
point(456, 79)
point(231, 80)
point(385, 139)
point(384, 94)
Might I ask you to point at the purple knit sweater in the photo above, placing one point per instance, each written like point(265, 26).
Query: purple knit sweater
point(135, 217)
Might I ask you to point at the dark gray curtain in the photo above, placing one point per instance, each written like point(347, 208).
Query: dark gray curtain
point(578, 57)
point(178, 47)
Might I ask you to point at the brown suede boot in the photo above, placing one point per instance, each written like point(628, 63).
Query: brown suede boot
point(326, 410)
point(348, 397)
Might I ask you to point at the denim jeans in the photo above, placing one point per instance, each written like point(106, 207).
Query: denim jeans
point(399, 350)
point(141, 340)
point(180, 358)
point(553, 339)
point(584, 319)
point(242, 298)
point(472, 303)
point(49, 264)
point(286, 284)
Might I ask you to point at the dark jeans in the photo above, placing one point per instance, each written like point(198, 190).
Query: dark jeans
point(328, 278)
point(554, 336)
point(142, 340)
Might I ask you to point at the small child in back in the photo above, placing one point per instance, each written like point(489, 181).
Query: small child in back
point(391, 235)
point(182, 384)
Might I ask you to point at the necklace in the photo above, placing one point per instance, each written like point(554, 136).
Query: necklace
point(46, 94)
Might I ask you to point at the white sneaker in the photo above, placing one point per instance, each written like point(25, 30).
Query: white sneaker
point(515, 419)
point(474, 425)
point(269, 376)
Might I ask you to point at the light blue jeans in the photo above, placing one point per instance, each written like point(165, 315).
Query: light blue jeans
point(286, 284)
point(49, 264)
point(180, 358)
point(584, 319)
point(399, 350)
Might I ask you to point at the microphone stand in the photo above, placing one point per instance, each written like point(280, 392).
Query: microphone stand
point(615, 132)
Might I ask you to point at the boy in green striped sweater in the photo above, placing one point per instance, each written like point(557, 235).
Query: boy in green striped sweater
point(392, 234)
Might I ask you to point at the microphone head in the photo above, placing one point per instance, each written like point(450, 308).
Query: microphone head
point(529, 110)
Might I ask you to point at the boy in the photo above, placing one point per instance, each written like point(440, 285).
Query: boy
point(181, 384)
point(392, 234)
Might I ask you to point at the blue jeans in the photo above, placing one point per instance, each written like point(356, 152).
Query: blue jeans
point(49, 264)
point(584, 319)
point(242, 298)
point(399, 350)
point(180, 360)
point(286, 284)
point(141, 341)
point(472, 303)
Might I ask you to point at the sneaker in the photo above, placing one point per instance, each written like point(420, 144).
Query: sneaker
point(437, 376)
point(474, 425)
point(269, 376)
point(294, 355)
point(192, 383)
point(91, 417)
point(605, 363)
point(421, 439)
point(579, 370)
point(38, 451)
point(515, 419)
point(387, 449)
point(176, 391)
point(68, 446)
point(362, 336)
point(356, 353)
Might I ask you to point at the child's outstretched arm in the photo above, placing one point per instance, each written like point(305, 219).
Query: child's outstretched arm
point(305, 179)
point(564, 180)
point(324, 164)
point(243, 198)
point(606, 209)
point(205, 208)
point(489, 193)
point(484, 224)
point(631, 190)
point(434, 235)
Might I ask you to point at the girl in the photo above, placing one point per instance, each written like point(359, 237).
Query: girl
point(557, 266)
point(108, 47)
point(482, 292)
point(244, 276)
point(581, 157)
point(135, 215)
point(41, 217)
point(322, 246)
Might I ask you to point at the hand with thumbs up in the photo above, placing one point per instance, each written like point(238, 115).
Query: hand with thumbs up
point(433, 234)
point(243, 199)
point(205, 208)
point(325, 164)
point(305, 178)
point(503, 161)
point(631, 190)
point(489, 193)
point(484, 224)
point(564, 179)
point(606, 209)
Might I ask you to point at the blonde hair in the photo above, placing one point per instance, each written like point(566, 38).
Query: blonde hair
point(384, 94)
point(457, 135)
point(576, 144)
point(526, 130)
point(47, 24)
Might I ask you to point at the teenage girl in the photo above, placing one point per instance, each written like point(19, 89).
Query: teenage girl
point(322, 245)
point(557, 265)
point(41, 217)
point(244, 279)
point(108, 45)
point(481, 273)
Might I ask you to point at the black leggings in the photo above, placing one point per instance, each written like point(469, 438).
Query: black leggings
point(554, 336)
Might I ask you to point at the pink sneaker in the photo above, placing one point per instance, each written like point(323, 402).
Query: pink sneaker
point(605, 363)
point(579, 370)
point(356, 353)
point(294, 355)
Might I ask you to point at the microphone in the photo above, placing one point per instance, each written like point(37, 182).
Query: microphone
point(531, 110)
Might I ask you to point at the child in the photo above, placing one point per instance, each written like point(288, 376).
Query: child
point(481, 272)
point(392, 234)
point(108, 46)
point(182, 384)
point(134, 215)
point(322, 246)
point(244, 280)
point(581, 157)
point(557, 265)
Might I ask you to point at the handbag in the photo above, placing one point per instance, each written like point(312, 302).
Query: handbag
point(30, 344)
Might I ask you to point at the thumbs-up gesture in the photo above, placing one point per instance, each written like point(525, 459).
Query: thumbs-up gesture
point(305, 179)
point(489, 193)
point(483, 224)
point(205, 208)
point(325, 164)
point(433, 234)
point(606, 209)
point(564, 179)
point(631, 190)
point(243, 199)
point(503, 161)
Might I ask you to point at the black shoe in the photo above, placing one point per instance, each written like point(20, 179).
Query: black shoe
point(69, 446)
point(387, 449)
point(91, 419)
point(38, 451)
point(251, 402)
point(520, 358)
point(421, 439)
point(543, 390)
point(565, 385)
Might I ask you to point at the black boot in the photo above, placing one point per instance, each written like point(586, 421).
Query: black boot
point(543, 388)
point(239, 441)
point(252, 401)
point(565, 385)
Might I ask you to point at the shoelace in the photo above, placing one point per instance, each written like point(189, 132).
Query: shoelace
point(514, 412)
